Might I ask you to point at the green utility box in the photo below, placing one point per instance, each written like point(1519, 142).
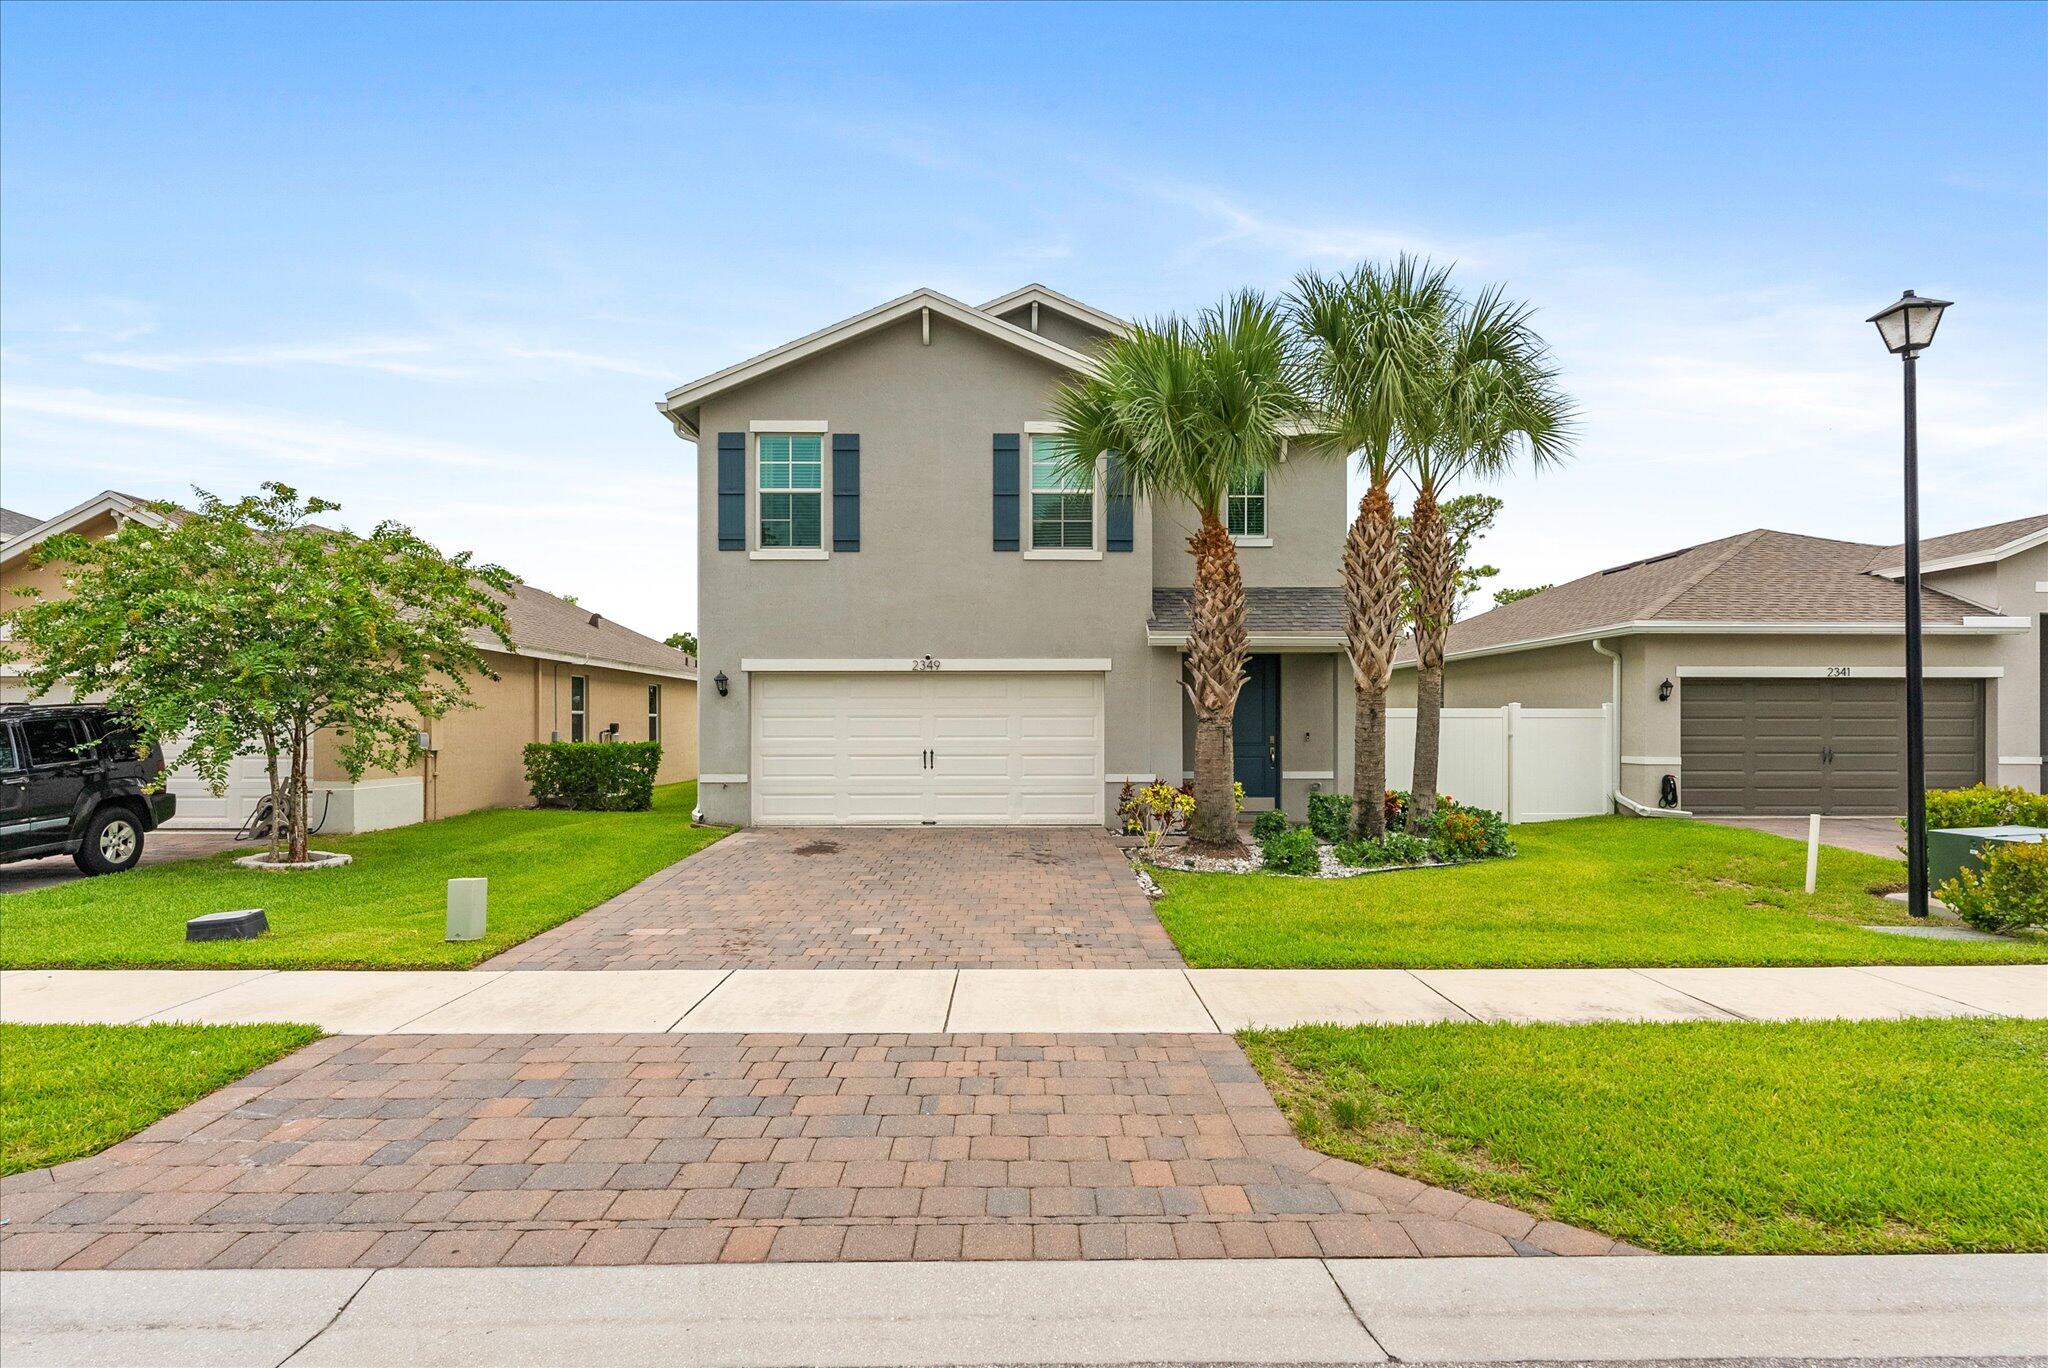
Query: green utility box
point(1950, 852)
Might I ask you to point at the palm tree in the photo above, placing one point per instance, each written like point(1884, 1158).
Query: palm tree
point(1492, 398)
point(1192, 408)
point(1367, 340)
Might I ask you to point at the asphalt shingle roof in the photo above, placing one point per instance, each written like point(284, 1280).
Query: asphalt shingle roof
point(542, 622)
point(13, 524)
point(1269, 611)
point(1962, 543)
point(1757, 576)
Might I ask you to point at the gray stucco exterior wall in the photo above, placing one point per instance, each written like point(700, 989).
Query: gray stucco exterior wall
point(925, 581)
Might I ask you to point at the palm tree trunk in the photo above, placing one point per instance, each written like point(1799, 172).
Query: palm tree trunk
point(1217, 638)
point(1432, 569)
point(1372, 626)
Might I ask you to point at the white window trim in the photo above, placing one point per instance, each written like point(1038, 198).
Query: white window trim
point(780, 427)
point(576, 713)
point(1097, 530)
point(654, 712)
point(1265, 509)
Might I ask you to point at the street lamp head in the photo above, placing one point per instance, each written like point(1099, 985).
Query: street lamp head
point(1908, 324)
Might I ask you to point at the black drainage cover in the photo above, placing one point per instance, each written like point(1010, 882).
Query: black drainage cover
point(247, 924)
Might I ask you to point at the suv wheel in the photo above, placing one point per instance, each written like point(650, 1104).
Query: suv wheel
point(113, 842)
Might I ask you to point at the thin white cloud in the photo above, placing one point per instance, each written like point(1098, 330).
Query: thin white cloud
point(292, 438)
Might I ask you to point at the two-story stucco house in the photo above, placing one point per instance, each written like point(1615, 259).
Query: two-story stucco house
point(907, 617)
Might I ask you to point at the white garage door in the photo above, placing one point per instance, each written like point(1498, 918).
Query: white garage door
point(928, 748)
point(199, 808)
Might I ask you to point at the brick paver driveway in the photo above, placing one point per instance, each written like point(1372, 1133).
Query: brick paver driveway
point(790, 898)
point(458, 1150)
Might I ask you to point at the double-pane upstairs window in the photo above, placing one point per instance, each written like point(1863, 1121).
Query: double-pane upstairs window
point(792, 473)
point(1247, 514)
point(1062, 505)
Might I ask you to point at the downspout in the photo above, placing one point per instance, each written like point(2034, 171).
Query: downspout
point(1614, 727)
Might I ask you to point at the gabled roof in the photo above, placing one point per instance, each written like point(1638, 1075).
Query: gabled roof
point(552, 628)
point(1757, 581)
point(681, 404)
point(1050, 298)
point(1977, 546)
point(124, 506)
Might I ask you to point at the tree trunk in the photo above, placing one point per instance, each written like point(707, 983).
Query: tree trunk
point(1372, 630)
point(301, 762)
point(1215, 674)
point(277, 796)
point(1432, 570)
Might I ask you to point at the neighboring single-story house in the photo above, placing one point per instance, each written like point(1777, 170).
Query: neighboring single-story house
point(1763, 673)
point(573, 676)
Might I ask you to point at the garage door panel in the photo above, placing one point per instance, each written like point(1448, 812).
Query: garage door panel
point(1003, 748)
point(1794, 746)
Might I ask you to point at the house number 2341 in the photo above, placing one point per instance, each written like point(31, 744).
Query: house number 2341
point(1838, 672)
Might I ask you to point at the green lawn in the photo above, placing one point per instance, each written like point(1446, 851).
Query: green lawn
point(385, 911)
point(70, 1091)
point(1597, 891)
point(1700, 1137)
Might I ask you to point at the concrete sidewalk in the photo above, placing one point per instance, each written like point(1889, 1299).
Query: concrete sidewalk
point(1006, 1000)
point(1247, 1311)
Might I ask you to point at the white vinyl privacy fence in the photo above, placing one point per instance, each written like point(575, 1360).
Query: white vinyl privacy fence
point(1529, 764)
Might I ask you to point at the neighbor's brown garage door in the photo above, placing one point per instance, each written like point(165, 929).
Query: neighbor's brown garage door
point(1786, 747)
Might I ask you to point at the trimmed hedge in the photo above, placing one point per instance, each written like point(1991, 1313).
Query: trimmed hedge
point(1267, 824)
point(1983, 805)
point(593, 776)
point(1329, 816)
point(1290, 852)
point(2011, 893)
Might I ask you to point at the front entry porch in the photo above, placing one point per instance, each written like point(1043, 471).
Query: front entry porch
point(1285, 735)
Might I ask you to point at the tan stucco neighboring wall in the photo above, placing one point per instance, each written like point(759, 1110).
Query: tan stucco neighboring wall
point(48, 580)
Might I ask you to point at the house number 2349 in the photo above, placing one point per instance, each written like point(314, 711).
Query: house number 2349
point(924, 663)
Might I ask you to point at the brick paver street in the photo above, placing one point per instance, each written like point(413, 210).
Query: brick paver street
point(463, 1150)
point(785, 898)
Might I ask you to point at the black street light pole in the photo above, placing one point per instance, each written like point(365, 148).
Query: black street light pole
point(1916, 694)
point(1907, 326)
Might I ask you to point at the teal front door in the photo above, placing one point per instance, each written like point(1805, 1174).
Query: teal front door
point(1255, 731)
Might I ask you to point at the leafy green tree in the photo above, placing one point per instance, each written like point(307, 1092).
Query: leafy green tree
point(686, 642)
point(1503, 597)
point(245, 627)
point(1367, 340)
point(1192, 408)
point(1489, 400)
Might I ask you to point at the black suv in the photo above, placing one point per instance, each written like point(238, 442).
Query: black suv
point(74, 781)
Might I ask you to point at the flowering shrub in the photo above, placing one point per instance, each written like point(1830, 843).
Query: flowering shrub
point(1154, 810)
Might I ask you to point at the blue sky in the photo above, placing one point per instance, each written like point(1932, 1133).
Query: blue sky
point(438, 263)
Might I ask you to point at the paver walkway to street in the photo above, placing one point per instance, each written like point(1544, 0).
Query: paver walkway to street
point(873, 898)
point(466, 1150)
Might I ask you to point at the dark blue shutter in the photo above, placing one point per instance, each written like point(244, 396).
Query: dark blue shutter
point(1007, 502)
point(846, 491)
point(1118, 512)
point(732, 491)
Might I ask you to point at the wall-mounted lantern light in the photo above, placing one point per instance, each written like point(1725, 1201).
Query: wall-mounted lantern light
point(1664, 692)
point(724, 684)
